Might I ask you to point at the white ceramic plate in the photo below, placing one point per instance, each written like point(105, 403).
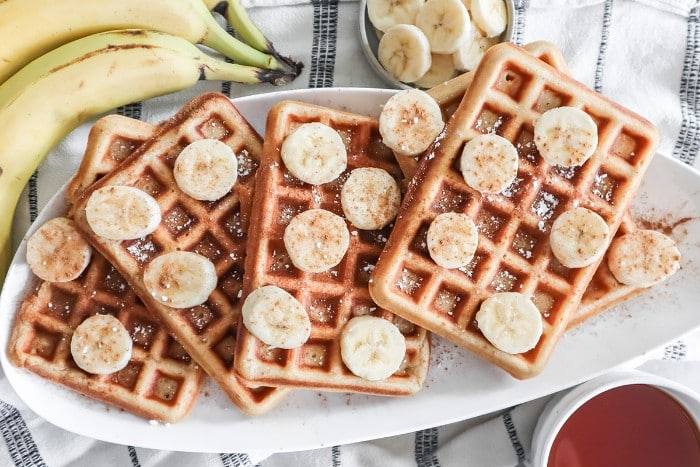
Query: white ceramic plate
point(459, 386)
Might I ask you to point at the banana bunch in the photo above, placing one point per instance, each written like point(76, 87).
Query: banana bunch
point(77, 66)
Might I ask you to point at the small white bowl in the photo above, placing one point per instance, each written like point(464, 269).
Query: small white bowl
point(370, 42)
point(561, 407)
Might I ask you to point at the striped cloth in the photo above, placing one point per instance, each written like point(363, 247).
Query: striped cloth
point(644, 54)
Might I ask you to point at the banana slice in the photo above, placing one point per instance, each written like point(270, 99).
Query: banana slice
point(316, 240)
point(314, 153)
point(57, 252)
point(452, 239)
point(180, 279)
point(370, 198)
point(206, 169)
point(579, 237)
point(489, 163)
point(442, 69)
point(410, 121)
point(101, 345)
point(404, 51)
point(490, 15)
point(643, 258)
point(384, 14)
point(275, 317)
point(510, 321)
point(566, 136)
point(468, 56)
point(371, 347)
point(122, 212)
point(446, 24)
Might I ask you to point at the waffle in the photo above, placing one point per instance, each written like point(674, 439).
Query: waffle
point(111, 140)
point(604, 291)
point(450, 93)
point(161, 381)
point(511, 88)
point(331, 297)
point(217, 230)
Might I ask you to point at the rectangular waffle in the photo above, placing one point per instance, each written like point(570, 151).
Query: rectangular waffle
point(331, 297)
point(511, 88)
point(161, 381)
point(216, 230)
point(604, 291)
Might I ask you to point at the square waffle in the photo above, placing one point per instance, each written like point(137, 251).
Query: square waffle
point(511, 88)
point(331, 297)
point(216, 230)
point(604, 291)
point(161, 381)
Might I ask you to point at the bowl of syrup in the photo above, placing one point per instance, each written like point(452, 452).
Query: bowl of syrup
point(623, 418)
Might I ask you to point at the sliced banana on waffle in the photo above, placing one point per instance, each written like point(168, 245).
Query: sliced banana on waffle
point(180, 279)
point(370, 198)
point(57, 252)
point(120, 212)
point(452, 239)
point(275, 317)
point(579, 237)
point(101, 345)
point(490, 15)
point(371, 347)
point(410, 121)
point(510, 321)
point(316, 240)
point(404, 51)
point(314, 153)
point(445, 23)
point(489, 163)
point(384, 14)
point(566, 136)
point(206, 169)
point(643, 258)
point(442, 69)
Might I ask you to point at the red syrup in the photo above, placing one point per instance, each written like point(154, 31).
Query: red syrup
point(635, 425)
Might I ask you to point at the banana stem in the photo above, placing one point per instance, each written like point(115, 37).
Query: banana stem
point(237, 17)
point(219, 40)
point(218, 70)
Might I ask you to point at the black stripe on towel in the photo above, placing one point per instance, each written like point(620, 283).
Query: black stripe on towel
point(675, 351)
point(132, 110)
point(335, 456)
point(519, 18)
point(33, 196)
point(426, 444)
point(602, 52)
point(133, 456)
point(323, 47)
point(688, 142)
point(18, 438)
point(236, 460)
point(513, 436)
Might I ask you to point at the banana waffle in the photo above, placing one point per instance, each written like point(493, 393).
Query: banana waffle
point(510, 90)
point(604, 291)
point(216, 230)
point(161, 381)
point(332, 297)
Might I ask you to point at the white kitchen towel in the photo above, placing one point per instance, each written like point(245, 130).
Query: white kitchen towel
point(644, 53)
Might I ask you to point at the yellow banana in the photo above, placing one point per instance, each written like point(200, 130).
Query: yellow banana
point(52, 95)
point(28, 32)
point(237, 17)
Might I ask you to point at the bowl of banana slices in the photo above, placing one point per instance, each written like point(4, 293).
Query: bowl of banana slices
point(423, 43)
